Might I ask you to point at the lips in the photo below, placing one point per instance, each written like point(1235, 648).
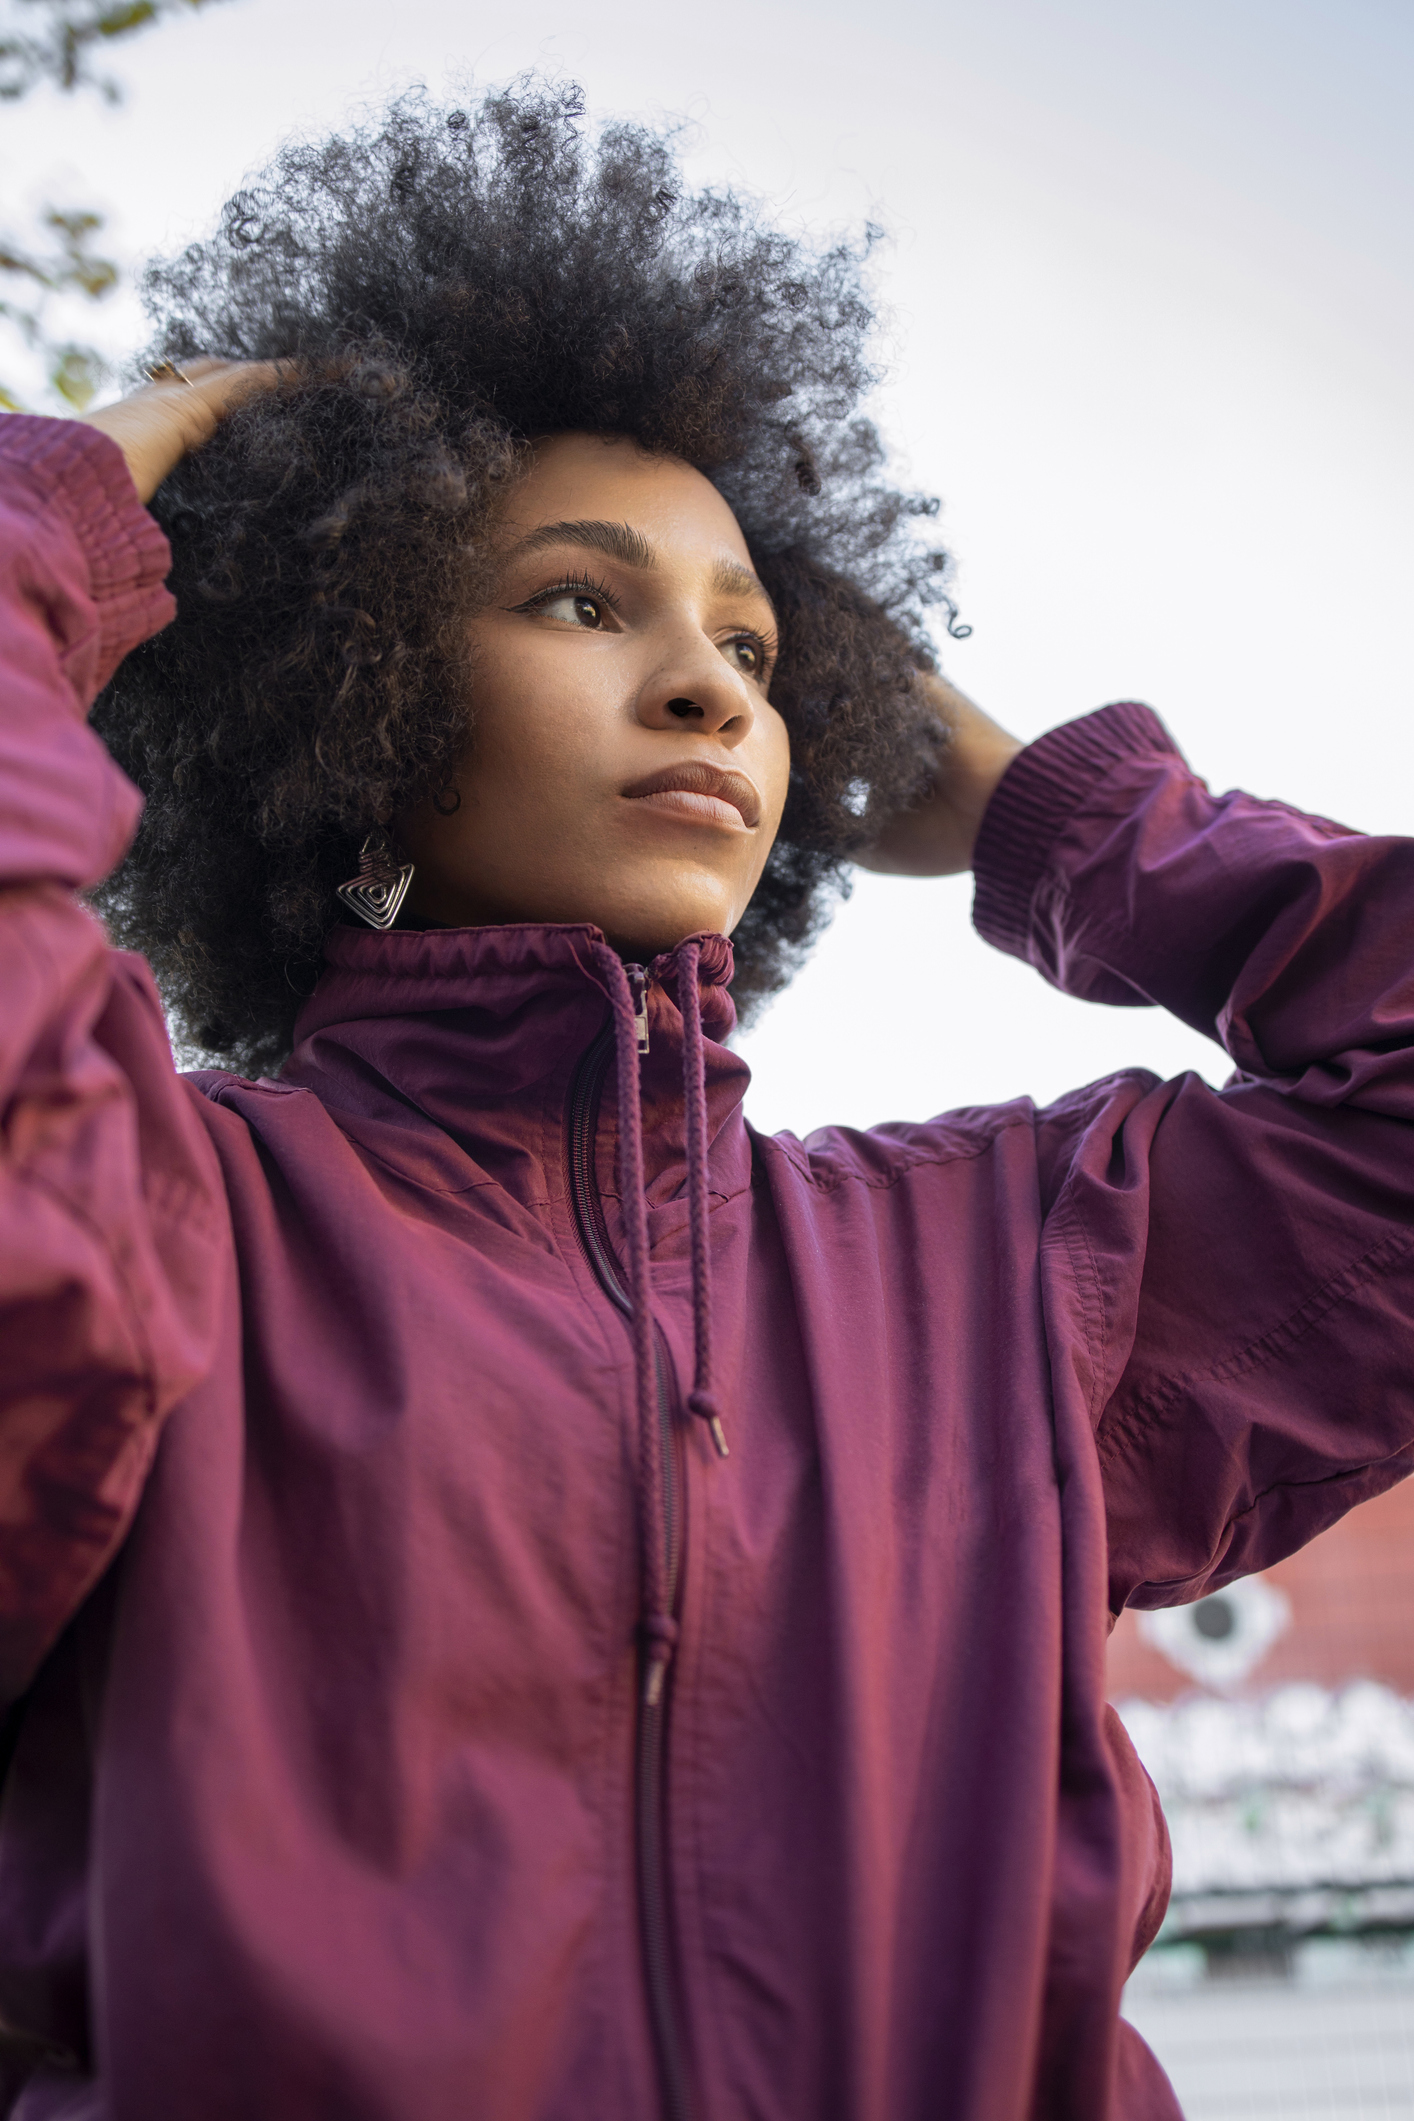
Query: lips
point(703, 793)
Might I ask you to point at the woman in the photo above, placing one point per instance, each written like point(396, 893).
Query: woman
point(526, 1598)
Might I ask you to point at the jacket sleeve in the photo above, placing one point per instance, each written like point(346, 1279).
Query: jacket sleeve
point(1240, 1262)
point(111, 1215)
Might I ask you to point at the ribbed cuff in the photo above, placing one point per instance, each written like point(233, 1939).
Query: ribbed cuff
point(1042, 787)
point(81, 474)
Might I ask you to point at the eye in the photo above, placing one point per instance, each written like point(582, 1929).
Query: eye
point(572, 607)
point(746, 653)
point(575, 600)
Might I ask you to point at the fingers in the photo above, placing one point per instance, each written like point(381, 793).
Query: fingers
point(202, 368)
point(211, 389)
point(206, 382)
point(177, 409)
point(185, 373)
point(229, 383)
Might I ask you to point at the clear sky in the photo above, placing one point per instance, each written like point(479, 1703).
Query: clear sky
point(1150, 334)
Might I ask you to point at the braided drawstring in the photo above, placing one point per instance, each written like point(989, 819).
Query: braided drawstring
point(659, 1628)
point(628, 1000)
point(701, 1400)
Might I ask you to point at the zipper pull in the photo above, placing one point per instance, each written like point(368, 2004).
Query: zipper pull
point(638, 988)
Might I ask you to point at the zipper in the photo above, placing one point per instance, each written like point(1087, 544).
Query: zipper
point(586, 1090)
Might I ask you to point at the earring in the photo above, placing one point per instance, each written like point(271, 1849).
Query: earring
point(381, 885)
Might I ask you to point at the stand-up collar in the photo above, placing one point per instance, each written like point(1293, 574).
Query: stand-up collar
point(450, 1048)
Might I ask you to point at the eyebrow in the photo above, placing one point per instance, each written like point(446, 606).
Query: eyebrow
point(620, 541)
point(731, 579)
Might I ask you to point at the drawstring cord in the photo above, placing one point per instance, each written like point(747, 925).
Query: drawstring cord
point(701, 1400)
point(628, 996)
point(629, 1011)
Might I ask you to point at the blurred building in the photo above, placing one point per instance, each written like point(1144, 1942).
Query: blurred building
point(1277, 1719)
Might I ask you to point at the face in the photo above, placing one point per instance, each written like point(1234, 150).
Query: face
point(626, 767)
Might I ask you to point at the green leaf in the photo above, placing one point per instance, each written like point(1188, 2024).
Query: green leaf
point(75, 224)
point(76, 374)
point(66, 35)
point(16, 261)
point(119, 20)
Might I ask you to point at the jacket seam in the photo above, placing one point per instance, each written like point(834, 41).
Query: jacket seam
point(1147, 1407)
point(1073, 1230)
point(215, 1094)
point(361, 1148)
point(716, 1198)
point(881, 1182)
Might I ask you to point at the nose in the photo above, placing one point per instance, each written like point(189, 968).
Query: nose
point(695, 688)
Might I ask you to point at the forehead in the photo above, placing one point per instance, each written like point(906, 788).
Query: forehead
point(594, 478)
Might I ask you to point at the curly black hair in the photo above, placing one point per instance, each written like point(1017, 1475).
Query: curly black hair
point(447, 284)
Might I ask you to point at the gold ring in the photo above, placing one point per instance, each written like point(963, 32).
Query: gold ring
point(167, 372)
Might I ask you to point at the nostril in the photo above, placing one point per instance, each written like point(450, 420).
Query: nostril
point(683, 709)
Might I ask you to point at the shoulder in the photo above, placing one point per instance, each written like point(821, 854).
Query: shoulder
point(240, 1111)
point(883, 1156)
point(1012, 1146)
point(323, 1149)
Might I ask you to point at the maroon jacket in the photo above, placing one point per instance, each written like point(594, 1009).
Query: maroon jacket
point(425, 1722)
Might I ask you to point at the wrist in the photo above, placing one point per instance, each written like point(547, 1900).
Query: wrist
point(152, 440)
point(937, 837)
point(1057, 776)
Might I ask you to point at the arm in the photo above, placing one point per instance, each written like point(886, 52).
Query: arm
point(111, 1213)
point(1244, 1257)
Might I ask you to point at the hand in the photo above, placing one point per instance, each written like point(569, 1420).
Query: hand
point(158, 424)
point(937, 836)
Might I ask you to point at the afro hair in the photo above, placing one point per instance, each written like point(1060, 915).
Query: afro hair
point(446, 284)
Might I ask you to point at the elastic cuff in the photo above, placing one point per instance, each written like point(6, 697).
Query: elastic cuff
point(81, 474)
point(1041, 788)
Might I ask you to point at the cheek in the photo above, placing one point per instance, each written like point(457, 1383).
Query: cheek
point(535, 730)
point(775, 768)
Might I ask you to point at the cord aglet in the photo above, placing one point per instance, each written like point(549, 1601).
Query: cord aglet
point(719, 1436)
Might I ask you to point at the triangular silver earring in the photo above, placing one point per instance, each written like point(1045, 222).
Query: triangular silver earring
point(381, 885)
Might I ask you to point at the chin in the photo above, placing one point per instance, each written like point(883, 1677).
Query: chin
point(641, 941)
point(642, 927)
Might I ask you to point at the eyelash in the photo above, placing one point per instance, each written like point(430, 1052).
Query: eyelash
point(584, 585)
point(572, 585)
point(764, 648)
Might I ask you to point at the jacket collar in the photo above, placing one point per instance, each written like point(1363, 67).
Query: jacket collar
point(474, 1035)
